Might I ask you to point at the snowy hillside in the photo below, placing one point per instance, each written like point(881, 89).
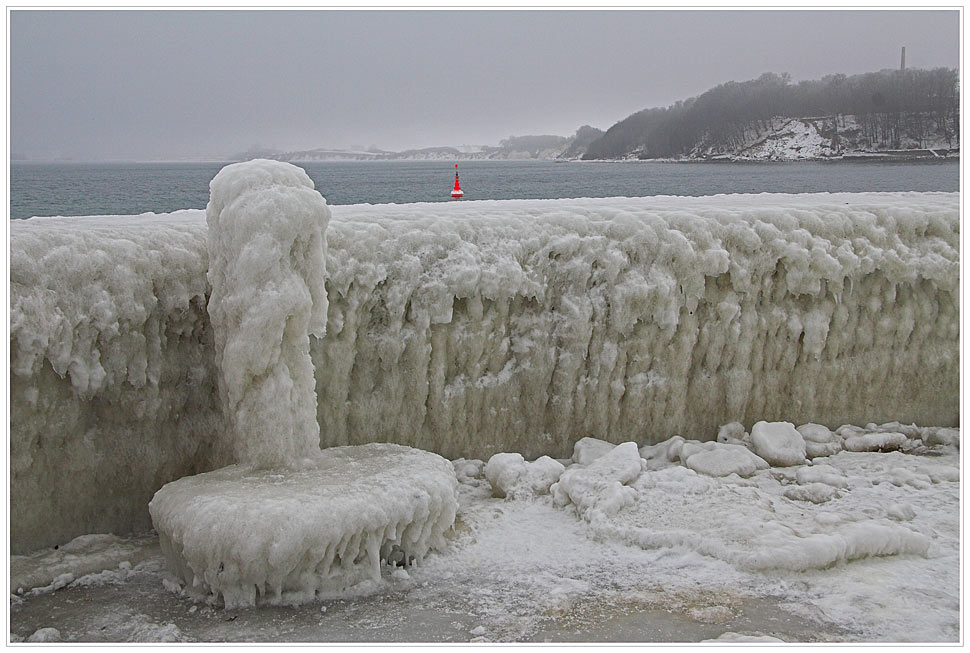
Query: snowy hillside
point(474, 328)
point(839, 137)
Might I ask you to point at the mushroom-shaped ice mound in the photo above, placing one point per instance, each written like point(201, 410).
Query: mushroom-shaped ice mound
point(289, 522)
point(289, 537)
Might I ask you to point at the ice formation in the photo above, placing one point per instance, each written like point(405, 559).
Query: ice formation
point(527, 325)
point(664, 496)
point(267, 269)
point(288, 537)
point(83, 555)
point(112, 386)
point(484, 327)
point(779, 443)
point(289, 521)
point(510, 475)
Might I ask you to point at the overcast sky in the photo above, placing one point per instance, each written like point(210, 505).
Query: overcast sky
point(166, 84)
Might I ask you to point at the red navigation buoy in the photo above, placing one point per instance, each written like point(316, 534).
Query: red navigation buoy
point(457, 192)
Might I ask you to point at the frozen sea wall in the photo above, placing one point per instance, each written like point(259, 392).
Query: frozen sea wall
point(526, 325)
point(477, 327)
point(112, 372)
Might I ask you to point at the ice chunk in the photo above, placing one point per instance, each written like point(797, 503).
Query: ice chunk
point(814, 492)
point(945, 436)
point(742, 638)
point(83, 555)
point(511, 476)
point(267, 267)
point(901, 512)
point(732, 433)
point(875, 442)
point(263, 536)
point(778, 443)
point(602, 485)
point(821, 449)
point(724, 460)
point(504, 471)
point(45, 635)
point(820, 474)
point(815, 433)
point(586, 450)
point(845, 542)
point(901, 476)
point(468, 472)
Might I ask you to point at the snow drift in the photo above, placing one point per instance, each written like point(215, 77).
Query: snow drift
point(481, 327)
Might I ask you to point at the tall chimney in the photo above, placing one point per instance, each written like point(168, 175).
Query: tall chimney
point(902, 59)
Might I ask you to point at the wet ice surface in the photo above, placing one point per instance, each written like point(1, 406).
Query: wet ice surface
point(524, 569)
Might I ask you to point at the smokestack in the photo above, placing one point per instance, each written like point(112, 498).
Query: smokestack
point(902, 59)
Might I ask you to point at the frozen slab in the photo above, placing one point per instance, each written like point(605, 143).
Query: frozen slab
point(587, 450)
point(778, 443)
point(819, 441)
point(875, 442)
point(262, 536)
point(725, 459)
point(85, 554)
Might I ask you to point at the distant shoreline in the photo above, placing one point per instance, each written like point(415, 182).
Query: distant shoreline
point(903, 156)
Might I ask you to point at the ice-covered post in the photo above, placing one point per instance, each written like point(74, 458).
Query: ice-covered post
point(267, 256)
point(333, 517)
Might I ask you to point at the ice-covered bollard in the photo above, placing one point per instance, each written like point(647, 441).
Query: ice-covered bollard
point(267, 267)
point(289, 522)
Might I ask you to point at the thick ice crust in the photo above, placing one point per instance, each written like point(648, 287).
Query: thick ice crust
point(527, 325)
point(112, 378)
point(474, 328)
point(287, 537)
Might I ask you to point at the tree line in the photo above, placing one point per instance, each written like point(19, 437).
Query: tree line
point(889, 106)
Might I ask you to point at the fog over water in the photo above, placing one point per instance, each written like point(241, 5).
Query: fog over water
point(147, 85)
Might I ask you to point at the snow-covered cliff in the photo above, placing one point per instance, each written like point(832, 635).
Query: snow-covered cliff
point(824, 138)
point(473, 328)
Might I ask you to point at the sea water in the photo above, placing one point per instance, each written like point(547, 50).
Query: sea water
point(131, 188)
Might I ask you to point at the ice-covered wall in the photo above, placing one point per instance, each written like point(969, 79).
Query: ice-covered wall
point(112, 378)
point(477, 327)
point(526, 325)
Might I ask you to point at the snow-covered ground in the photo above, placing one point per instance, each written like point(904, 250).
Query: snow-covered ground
point(853, 547)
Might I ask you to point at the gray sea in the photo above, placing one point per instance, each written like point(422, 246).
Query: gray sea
point(132, 188)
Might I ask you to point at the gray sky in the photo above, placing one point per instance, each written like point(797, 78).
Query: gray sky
point(165, 84)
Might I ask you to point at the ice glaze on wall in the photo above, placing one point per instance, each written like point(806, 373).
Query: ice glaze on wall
point(526, 325)
point(473, 328)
